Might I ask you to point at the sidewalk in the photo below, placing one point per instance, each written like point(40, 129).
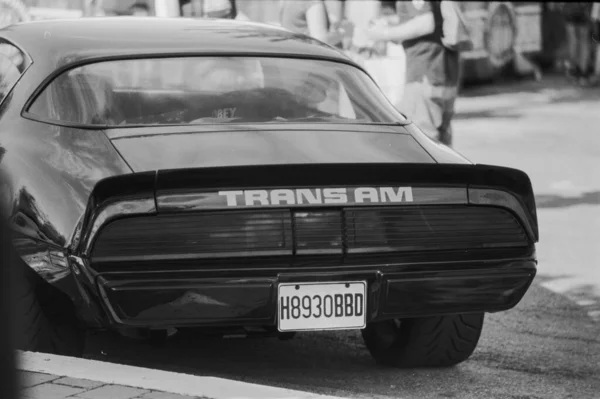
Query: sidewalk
point(46, 376)
point(50, 386)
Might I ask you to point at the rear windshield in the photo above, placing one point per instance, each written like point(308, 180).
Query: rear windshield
point(210, 90)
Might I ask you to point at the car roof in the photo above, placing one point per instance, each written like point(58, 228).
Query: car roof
point(65, 41)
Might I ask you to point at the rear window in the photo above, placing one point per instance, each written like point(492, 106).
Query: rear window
point(209, 90)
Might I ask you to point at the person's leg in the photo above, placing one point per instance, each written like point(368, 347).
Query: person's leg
point(431, 108)
point(425, 108)
point(583, 48)
point(572, 49)
point(445, 129)
point(407, 103)
point(596, 46)
point(597, 61)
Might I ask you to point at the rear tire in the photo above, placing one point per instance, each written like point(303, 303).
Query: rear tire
point(442, 341)
point(36, 331)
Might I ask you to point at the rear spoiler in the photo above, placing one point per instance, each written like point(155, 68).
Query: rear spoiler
point(148, 192)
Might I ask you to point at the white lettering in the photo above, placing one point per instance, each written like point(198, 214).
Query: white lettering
point(318, 196)
point(256, 195)
point(362, 193)
point(389, 194)
point(335, 195)
point(224, 113)
point(307, 194)
point(282, 195)
point(231, 196)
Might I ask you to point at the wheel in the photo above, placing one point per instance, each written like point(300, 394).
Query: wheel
point(425, 342)
point(37, 329)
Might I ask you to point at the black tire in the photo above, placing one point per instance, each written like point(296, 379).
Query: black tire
point(425, 342)
point(36, 331)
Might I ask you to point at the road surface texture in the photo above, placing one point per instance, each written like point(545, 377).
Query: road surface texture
point(551, 130)
point(546, 347)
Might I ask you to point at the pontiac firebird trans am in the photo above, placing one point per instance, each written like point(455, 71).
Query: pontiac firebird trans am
point(162, 175)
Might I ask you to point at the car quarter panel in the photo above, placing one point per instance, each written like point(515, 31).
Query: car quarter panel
point(48, 175)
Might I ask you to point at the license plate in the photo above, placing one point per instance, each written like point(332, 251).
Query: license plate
point(321, 306)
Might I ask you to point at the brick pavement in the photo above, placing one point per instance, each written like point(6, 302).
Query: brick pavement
point(48, 386)
point(44, 376)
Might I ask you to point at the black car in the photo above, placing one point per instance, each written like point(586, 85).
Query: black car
point(169, 174)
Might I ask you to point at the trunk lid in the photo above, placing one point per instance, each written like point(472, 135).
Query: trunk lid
point(147, 149)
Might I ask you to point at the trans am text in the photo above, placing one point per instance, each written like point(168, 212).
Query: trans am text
point(318, 196)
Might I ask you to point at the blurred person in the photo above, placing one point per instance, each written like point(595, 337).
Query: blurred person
point(578, 23)
point(432, 66)
point(95, 8)
point(139, 10)
point(317, 91)
point(221, 9)
point(223, 74)
point(336, 11)
point(595, 16)
point(310, 17)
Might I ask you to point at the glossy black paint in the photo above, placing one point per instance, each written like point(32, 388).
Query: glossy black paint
point(502, 178)
point(61, 185)
point(139, 186)
point(476, 176)
point(237, 296)
point(243, 144)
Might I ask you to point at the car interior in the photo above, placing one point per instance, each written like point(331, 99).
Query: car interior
point(87, 97)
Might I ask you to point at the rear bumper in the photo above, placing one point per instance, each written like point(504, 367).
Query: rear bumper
point(249, 297)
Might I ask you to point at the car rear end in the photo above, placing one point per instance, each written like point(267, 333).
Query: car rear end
point(308, 247)
point(288, 196)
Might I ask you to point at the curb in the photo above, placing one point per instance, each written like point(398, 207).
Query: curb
point(157, 380)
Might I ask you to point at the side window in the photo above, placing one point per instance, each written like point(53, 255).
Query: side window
point(12, 65)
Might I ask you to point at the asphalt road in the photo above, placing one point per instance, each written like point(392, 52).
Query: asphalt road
point(546, 347)
point(551, 130)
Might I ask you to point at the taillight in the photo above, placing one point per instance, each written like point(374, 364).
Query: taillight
point(318, 232)
point(256, 232)
point(200, 235)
